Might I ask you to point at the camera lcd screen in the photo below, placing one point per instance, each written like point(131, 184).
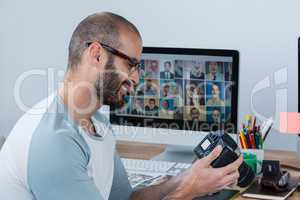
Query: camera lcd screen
point(205, 144)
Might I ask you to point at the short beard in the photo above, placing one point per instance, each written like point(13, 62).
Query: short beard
point(108, 84)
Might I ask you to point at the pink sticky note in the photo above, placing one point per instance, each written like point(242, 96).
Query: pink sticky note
point(290, 122)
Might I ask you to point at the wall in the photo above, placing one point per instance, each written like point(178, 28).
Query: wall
point(35, 35)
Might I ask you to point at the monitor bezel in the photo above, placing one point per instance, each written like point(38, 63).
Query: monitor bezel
point(155, 122)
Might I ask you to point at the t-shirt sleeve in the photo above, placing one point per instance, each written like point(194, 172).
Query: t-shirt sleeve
point(57, 169)
point(121, 188)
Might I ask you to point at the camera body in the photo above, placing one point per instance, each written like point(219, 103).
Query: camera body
point(229, 154)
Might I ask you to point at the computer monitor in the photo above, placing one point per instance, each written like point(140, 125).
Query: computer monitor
point(182, 94)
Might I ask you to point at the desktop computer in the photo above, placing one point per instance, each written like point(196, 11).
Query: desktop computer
point(182, 95)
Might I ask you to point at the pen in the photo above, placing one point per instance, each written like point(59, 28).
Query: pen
point(254, 122)
point(242, 142)
point(243, 139)
point(247, 138)
point(256, 137)
point(266, 129)
point(252, 140)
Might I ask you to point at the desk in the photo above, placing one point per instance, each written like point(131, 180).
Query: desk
point(148, 151)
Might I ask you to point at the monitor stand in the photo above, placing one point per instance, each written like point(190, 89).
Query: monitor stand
point(177, 153)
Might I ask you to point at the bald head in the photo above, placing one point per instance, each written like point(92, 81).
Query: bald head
point(102, 27)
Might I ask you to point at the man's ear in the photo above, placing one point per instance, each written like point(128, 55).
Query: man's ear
point(95, 52)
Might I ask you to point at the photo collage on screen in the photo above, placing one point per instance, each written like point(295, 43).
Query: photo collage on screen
point(183, 90)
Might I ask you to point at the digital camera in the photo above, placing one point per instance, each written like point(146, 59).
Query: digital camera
point(229, 154)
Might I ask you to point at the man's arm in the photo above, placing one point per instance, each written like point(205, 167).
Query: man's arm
point(199, 180)
point(57, 170)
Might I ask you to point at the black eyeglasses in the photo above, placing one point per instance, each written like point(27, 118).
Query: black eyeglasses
point(133, 63)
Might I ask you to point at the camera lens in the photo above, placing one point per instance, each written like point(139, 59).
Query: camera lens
point(229, 154)
point(247, 175)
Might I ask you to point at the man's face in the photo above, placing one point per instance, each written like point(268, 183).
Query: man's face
point(154, 65)
point(216, 116)
point(148, 84)
point(194, 114)
point(213, 67)
point(197, 66)
point(151, 104)
point(167, 67)
point(192, 87)
point(215, 91)
point(166, 88)
point(115, 82)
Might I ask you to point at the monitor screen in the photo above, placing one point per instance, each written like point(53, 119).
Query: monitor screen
point(188, 89)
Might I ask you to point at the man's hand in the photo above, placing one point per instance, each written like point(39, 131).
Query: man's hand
point(199, 180)
point(202, 179)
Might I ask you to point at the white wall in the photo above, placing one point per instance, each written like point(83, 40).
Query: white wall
point(35, 34)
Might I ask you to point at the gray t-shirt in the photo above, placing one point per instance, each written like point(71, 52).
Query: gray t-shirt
point(47, 156)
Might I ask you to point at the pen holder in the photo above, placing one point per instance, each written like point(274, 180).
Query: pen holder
point(254, 158)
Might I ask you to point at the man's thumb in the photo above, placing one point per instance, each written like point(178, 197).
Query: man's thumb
point(213, 155)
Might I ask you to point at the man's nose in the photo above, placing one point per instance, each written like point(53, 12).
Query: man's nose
point(134, 78)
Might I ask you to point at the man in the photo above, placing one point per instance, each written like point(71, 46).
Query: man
point(216, 115)
point(178, 68)
point(213, 71)
point(197, 71)
point(215, 97)
point(152, 70)
point(151, 89)
point(190, 94)
point(167, 74)
point(166, 90)
point(200, 95)
point(195, 114)
point(151, 109)
point(68, 150)
point(137, 107)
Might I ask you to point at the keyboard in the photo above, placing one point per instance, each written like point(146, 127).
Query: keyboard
point(153, 166)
